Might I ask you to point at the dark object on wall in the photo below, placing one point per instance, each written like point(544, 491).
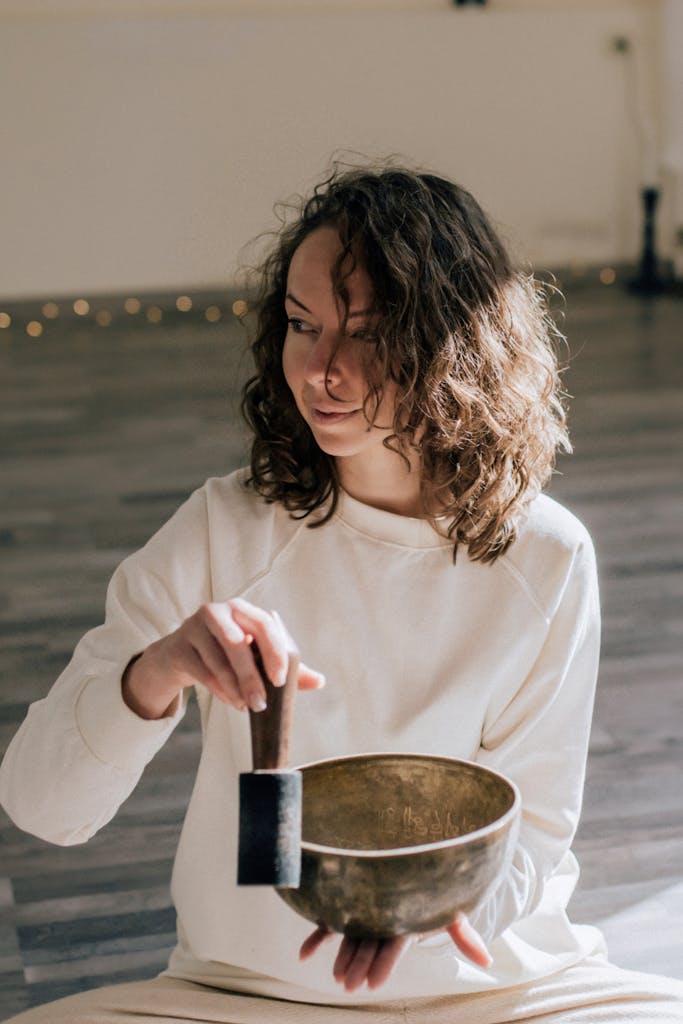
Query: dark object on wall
point(469, 3)
point(648, 280)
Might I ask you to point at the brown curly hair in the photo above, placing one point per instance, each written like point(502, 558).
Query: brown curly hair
point(468, 339)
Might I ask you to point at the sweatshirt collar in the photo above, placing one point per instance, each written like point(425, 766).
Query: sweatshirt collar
point(390, 527)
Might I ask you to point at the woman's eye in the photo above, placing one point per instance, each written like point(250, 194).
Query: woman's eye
point(298, 326)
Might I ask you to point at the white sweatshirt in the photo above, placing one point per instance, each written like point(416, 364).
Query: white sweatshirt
point(492, 663)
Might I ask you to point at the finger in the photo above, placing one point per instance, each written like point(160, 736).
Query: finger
point(359, 967)
point(274, 643)
point(289, 639)
point(314, 942)
point(192, 666)
point(309, 679)
point(469, 941)
point(234, 640)
point(219, 676)
point(388, 955)
point(185, 655)
point(345, 955)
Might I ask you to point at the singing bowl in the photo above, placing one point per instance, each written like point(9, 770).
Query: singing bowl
point(399, 843)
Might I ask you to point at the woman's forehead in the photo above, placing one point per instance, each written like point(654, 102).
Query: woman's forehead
point(312, 268)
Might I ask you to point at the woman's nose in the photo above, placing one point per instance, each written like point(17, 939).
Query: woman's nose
point(320, 366)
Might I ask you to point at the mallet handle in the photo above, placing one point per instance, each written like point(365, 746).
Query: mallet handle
point(271, 729)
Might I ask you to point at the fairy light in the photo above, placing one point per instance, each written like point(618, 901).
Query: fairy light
point(607, 275)
point(154, 314)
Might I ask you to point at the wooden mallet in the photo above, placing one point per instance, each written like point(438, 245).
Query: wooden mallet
point(269, 850)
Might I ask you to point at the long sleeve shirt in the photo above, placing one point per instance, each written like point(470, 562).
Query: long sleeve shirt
point(494, 663)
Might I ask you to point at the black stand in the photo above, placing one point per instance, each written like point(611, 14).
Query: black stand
point(648, 281)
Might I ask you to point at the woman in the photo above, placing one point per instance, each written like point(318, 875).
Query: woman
point(406, 415)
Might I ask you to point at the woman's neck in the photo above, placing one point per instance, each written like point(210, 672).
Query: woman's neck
point(387, 484)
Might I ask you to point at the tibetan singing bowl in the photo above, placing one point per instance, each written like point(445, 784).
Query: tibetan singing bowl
point(397, 843)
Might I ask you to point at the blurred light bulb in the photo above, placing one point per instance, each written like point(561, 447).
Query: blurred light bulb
point(213, 314)
point(154, 314)
point(132, 306)
point(50, 310)
point(240, 308)
point(103, 317)
point(34, 328)
point(607, 275)
point(5, 320)
point(184, 303)
point(81, 307)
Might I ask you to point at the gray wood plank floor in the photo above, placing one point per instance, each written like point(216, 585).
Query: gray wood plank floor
point(106, 430)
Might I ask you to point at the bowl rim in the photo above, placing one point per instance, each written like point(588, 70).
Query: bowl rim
point(404, 851)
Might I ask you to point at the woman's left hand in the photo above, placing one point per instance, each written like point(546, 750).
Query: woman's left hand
point(373, 960)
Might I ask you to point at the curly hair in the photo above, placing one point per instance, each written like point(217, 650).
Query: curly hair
point(468, 340)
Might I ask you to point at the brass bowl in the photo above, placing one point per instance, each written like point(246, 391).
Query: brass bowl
point(398, 843)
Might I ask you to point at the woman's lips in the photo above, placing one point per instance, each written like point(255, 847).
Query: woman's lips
point(323, 417)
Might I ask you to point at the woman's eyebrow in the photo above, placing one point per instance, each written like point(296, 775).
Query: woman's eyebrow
point(297, 302)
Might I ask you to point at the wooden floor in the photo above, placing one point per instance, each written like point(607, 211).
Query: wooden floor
point(106, 430)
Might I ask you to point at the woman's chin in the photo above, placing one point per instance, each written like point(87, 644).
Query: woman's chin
point(337, 449)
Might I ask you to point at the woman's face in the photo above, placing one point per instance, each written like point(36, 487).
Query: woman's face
point(314, 312)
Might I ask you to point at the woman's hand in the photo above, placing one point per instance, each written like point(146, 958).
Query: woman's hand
point(213, 648)
point(373, 960)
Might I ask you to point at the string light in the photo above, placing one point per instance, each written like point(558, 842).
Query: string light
point(607, 275)
point(154, 313)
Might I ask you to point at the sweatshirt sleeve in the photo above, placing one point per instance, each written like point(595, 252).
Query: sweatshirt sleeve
point(540, 741)
point(80, 751)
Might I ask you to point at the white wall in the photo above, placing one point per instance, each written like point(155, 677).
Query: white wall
point(143, 150)
point(671, 66)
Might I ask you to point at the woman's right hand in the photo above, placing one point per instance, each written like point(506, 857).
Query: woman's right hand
point(213, 648)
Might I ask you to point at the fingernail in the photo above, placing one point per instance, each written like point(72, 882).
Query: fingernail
point(256, 702)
